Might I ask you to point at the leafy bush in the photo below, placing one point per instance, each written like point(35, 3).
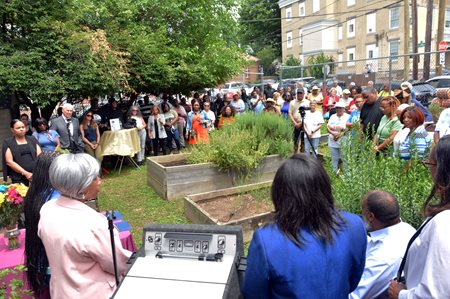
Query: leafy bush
point(270, 128)
point(435, 109)
point(240, 146)
point(409, 181)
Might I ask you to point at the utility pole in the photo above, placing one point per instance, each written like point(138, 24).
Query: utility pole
point(414, 39)
point(428, 29)
point(406, 38)
point(440, 34)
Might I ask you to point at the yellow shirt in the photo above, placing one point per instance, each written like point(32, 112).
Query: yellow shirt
point(384, 93)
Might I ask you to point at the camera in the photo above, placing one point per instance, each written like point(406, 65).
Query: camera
point(302, 110)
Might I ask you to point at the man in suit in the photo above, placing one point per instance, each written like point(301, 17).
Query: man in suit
point(68, 128)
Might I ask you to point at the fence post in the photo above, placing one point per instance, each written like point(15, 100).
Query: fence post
point(281, 74)
point(390, 71)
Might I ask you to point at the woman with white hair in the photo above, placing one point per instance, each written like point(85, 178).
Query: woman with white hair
point(75, 237)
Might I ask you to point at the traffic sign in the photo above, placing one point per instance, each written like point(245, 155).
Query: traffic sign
point(326, 69)
point(442, 58)
point(442, 46)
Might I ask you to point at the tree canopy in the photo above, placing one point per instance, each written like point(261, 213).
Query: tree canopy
point(261, 30)
point(80, 48)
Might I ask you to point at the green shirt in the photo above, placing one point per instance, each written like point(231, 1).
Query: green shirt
point(386, 127)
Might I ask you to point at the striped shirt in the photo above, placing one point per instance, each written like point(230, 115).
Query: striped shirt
point(415, 145)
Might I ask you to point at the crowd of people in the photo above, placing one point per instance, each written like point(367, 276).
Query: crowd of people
point(326, 252)
point(393, 120)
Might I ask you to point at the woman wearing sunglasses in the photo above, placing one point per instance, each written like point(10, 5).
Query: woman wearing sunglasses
point(91, 135)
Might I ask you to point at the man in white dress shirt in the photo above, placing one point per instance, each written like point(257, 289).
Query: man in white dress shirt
point(386, 243)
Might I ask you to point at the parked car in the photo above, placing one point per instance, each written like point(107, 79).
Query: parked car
point(233, 87)
point(425, 92)
point(439, 82)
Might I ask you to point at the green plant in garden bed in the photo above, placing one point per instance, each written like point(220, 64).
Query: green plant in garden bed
point(241, 146)
point(409, 181)
point(15, 287)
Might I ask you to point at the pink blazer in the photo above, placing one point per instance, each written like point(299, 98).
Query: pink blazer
point(78, 246)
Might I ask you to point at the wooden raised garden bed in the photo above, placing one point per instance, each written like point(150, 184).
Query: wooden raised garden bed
point(249, 206)
point(171, 177)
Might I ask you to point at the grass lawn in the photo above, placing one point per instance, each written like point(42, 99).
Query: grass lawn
point(137, 202)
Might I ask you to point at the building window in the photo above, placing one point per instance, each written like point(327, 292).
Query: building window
point(301, 9)
point(351, 27)
point(393, 48)
point(371, 51)
point(371, 21)
point(300, 35)
point(340, 58)
point(288, 14)
point(351, 2)
point(351, 56)
point(447, 19)
point(339, 32)
point(289, 40)
point(316, 5)
point(394, 17)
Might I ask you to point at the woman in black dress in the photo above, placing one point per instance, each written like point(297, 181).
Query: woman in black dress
point(19, 154)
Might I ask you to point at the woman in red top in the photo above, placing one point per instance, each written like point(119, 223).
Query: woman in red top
point(330, 101)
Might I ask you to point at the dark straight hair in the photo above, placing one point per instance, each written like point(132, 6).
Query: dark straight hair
point(40, 192)
point(301, 194)
point(40, 121)
point(441, 154)
point(13, 122)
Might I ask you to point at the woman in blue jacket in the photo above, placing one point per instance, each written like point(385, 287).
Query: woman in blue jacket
point(311, 250)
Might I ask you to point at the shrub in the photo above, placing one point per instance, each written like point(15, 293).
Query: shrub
point(240, 146)
point(409, 181)
point(435, 109)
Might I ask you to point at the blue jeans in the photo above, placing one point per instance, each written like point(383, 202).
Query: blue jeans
point(315, 144)
point(173, 134)
point(142, 136)
point(335, 153)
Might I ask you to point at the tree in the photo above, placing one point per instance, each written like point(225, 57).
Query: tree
point(292, 72)
point(267, 56)
point(80, 48)
point(260, 23)
point(315, 70)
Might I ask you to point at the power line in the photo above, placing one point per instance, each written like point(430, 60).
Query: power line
point(340, 23)
point(333, 14)
point(308, 16)
point(260, 37)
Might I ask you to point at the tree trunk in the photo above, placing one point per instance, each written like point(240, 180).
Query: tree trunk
point(429, 25)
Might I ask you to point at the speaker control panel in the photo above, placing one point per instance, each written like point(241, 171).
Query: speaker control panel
point(189, 244)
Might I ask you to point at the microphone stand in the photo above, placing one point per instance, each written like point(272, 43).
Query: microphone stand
point(110, 215)
point(302, 114)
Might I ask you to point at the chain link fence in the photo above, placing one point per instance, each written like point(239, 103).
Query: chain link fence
point(410, 67)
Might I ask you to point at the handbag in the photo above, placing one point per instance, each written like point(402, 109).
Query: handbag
point(193, 133)
point(130, 124)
